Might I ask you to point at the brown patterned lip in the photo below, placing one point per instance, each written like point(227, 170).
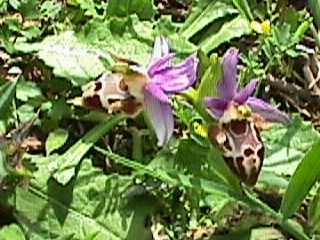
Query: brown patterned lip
point(93, 102)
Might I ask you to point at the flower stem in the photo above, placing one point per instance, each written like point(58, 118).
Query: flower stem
point(137, 151)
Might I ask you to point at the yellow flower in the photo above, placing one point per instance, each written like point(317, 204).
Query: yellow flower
point(262, 28)
point(266, 26)
point(200, 129)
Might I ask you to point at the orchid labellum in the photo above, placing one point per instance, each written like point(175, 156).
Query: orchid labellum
point(146, 88)
point(239, 116)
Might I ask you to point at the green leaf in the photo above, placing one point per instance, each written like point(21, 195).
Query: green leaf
point(50, 9)
point(314, 214)
point(237, 27)
point(25, 113)
point(15, 4)
point(210, 187)
point(208, 85)
point(88, 6)
point(55, 140)
point(244, 8)
point(66, 163)
point(7, 93)
point(3, 168)
point(188, 151)
point(209, 81)
point(301, 181)
point(176, 178)
point(301, 30)
point(266, 233)
point(222, 170)
point(287, 145)
point(11, 232)
point(68, 56)
point(128, 44)
point(181, 45)
point(92, 206)
point(143, 8)
point(27, 90)
point(212, 12)
point(315, 9)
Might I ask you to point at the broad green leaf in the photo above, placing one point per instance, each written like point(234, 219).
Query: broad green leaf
point(143, 8)
point(128, 44)
point(244, 8)
point(27, 90)
point(15, 4)
point(286, 145)
point(92, 206)
point(181, 45)
point(7, 92)
point(237, 27)
point(50, 9)
point(210, 187)
point(271, 180)
point(315, 9)
point(305, 176)
point(188, 150)
point(55, 140)
point(203, 167)
point(29, 8)
point(68, 56)
point(25, 113)
point(196, 11)
point(266, 233)
point(212, 12)
point(88, 6)
point(11, 232)
point(175, 178)
point(64, 166)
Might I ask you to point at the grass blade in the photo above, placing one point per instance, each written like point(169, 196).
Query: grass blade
point(305, 176)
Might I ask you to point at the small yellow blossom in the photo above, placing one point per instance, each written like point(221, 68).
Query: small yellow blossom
point(200, 129)
point(266, 26)
point(262, 28)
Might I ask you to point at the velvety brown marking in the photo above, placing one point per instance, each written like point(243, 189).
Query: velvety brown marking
point(238, 126)
point(248, 152)
point(252, 179)
point(111, 101)
point(98, 86)
point(123, 86)
point(93, 102)
point(241, 170)
point(131, 106)
point(227, 145)
point(239, 161)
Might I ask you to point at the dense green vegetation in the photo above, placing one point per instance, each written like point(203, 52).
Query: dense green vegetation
point(68, 171)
